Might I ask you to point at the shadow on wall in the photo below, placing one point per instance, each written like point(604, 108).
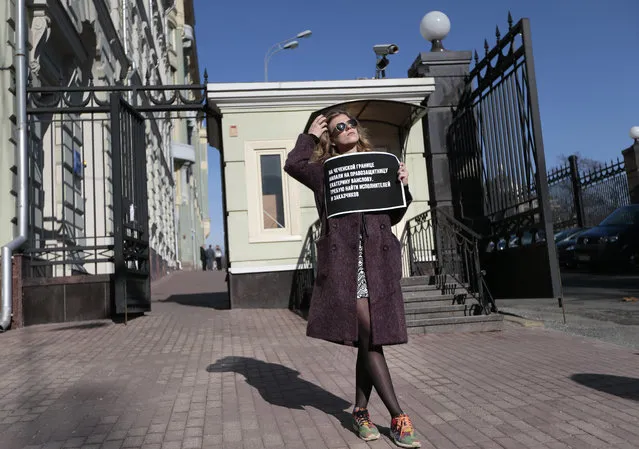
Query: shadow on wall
point(282, 386)
point(624, 387)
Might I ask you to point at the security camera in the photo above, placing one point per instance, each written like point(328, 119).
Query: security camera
point(385, 49)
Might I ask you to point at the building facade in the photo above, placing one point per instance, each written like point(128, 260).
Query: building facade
point(97, 43)
point(189, 141)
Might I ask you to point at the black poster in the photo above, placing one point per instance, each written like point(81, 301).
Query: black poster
point(362, 182)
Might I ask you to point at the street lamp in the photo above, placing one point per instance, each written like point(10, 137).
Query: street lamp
point(286, 44)
point(634, 133)
point(434, 27)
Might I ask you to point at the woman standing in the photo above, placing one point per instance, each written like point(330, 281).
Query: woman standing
point(357, 296)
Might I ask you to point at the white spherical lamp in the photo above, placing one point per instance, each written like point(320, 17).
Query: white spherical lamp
point(434, 27)
point(634, 133)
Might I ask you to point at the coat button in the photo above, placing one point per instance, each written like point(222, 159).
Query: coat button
point(334, 247)
point(334, 225)
point(382, 226)
point(385, 247)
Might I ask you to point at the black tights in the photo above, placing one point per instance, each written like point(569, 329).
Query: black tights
point(371, 369)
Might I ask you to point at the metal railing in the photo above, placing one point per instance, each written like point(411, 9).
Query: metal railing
point(585, 195)
point(436, 244)
point(305, 272)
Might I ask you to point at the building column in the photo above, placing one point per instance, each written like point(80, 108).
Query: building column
point(449, 68)
point(631, 160)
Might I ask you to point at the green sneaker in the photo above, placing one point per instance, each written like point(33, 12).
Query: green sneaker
point(402, 432)
point(363, 425)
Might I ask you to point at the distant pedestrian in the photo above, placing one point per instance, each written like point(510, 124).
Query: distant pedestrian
point(210, 255)
point(218, 257)
point(203, 257)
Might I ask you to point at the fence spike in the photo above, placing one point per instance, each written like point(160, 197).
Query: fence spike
point(486, 47)
point(206, 76)
point(476, 58)
point(497, 34)
point(510, 21)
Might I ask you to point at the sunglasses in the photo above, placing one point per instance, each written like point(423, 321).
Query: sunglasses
point(341, 126)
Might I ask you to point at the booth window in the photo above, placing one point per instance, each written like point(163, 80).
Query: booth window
point(272, 197)
point(273, 216)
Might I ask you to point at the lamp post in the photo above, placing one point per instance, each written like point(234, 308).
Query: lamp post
point(434, 27)
point(634, 134)
point(286, 44)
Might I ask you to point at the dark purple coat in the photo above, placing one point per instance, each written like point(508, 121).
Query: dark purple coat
point(333, 312)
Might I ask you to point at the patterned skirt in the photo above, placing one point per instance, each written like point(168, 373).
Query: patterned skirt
point(362, 286)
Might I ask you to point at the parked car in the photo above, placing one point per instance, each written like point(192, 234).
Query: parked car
point(614, 242)
point(566, 246)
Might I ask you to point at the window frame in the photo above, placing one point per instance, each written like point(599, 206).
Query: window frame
point(290, 193)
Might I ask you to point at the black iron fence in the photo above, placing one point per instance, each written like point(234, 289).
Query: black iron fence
point(88, 204)
point(435, 244)
point(583, 196)
point(304, 276)
point(70, 162)
point(498, 169)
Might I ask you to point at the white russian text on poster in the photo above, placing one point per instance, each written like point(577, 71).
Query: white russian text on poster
point(362, 182)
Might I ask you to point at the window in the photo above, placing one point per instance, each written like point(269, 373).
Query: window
point(172, 37)
point(273, 205)
point(272, 192)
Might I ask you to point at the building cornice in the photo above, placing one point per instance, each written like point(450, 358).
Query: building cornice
point(230, 97)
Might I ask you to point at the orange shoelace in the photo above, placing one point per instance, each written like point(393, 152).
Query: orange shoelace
point(404, 424)
point(363, 418)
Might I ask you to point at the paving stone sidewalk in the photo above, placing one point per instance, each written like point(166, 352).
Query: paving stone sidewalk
point(193, 375)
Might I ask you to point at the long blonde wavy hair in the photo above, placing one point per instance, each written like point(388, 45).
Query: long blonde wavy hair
point(326, 149)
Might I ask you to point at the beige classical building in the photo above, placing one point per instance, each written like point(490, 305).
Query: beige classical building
point(90, 49)
point(107, 43)
point(189, 140)
point(268, 214)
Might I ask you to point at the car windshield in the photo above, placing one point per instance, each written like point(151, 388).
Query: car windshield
point(627, 215)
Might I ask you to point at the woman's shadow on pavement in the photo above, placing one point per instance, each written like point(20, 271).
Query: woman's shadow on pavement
point(282, 386)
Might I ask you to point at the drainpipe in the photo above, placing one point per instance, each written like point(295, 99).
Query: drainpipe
point(192, 213)
point(23, 167)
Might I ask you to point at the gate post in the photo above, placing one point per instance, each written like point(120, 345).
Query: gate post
point(119, 279)
point(631, 160)
point(540, 162)
point(576, 190)
point(449, 68)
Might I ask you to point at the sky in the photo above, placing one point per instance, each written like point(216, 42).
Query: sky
point(586, 57)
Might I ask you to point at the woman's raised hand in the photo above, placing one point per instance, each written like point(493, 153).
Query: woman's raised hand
point(402, 174)
point(319, 126)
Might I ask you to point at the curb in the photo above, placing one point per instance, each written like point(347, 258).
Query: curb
point(524, 322)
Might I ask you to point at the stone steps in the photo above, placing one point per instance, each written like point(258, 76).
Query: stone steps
point(429, 311)
point(429, 300)
point(418, 311)
point(477, 323)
